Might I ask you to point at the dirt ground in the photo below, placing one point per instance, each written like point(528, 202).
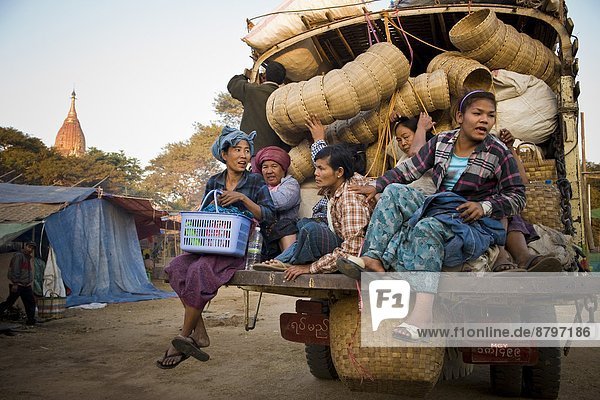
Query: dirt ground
point(110, 353)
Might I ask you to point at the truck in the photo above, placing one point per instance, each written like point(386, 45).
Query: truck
point(326, 313)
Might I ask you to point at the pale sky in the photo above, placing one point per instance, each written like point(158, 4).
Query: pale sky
point(146, 70)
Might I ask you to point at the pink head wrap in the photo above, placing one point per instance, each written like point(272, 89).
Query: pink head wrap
point(272, 153)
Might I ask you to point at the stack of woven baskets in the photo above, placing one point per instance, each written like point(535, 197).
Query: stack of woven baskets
point(356, 101)
point(483, 37)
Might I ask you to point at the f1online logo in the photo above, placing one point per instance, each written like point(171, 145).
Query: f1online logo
point(389, 299)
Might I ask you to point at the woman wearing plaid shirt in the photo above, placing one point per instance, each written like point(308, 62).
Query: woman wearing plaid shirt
point(468, 162)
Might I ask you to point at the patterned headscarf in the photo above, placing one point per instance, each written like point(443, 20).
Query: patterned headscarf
point(273, 153)
point(231, 137)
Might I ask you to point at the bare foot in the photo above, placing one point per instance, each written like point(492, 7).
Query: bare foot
point(373, 264)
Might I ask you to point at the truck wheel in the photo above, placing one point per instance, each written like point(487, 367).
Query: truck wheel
point(506, 380)
point(542, 381)
point(320, 363)
point(454, 367)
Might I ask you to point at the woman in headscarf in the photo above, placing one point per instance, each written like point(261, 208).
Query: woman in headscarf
point(196, 278)
point(273, 163)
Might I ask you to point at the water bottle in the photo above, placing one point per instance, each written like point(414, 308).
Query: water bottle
point(254, 248)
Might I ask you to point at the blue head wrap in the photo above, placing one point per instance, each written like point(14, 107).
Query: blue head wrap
point(231, 137)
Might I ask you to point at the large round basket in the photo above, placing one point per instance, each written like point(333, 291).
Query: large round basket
point(407, 371)
point(433, 90)
point(406, 102)
point(542, 58)
point(368, 87)
point(295, 106)
point(340, 95)
point(278, 117)
point(314, 101)
point(508, 51)
point(301, 166)
point(525, 56)
point(543, 205)
point(490, 48)
point(382, 71)
point(375, 160)
point(474, 30)
point(396, 60)
point(464, 74)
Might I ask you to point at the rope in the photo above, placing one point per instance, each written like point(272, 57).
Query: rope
point(363, 2)
point(399, 29)
point(410, 49)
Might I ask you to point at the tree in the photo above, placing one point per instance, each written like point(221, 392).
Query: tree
point(177, 177)
point(228, 109)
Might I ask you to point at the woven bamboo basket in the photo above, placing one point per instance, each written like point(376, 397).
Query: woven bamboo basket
point(541, 59)
point(295, 106)
point(363, 128)
point(474, 30)
point(395, 59)
point(552, 69)
point(314, 101)
point(301, 166)
point(543, 205)
point(438, 61)
point(524, 57)
point(382, 71)
point(368, 87)
point(488, 49)
point(508, 52)
point(406, 102)
point(278, 117)
point(340, 95)
point(407, 371)
point(433, 90)
point(538, 169)
point(464, 74)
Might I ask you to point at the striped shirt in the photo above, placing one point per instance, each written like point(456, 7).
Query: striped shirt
point(491, 174)
point(350, 218)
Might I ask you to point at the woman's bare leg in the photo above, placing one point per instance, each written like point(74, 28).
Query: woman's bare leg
point(286, 241)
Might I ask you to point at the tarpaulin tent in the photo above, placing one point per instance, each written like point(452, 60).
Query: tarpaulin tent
point(95, 238)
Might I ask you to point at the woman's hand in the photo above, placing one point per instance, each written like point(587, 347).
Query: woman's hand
point(228, 197)
point(367, 190)
point(295, 271)
point(425, 122)
point(471, 211)
point(507, 138)
point(317, 130)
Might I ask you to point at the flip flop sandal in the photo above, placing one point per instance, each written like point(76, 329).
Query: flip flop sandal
point(272, 265)
point(351, 266)
point(408, 333)
point(160, 363)
point(507, 266)
point(189, 347)
point(541, 263)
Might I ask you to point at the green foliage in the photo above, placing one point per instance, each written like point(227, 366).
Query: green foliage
point(178, 175)
point(27, 160)
point(228, 109)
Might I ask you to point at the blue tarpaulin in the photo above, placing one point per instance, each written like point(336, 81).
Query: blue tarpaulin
point(11, 193)
point(99, 255)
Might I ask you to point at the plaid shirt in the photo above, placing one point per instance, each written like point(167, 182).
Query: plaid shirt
point(350, 220)
point(491, 174)
point(254, 187)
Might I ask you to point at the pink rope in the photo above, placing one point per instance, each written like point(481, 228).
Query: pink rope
point(410, 49)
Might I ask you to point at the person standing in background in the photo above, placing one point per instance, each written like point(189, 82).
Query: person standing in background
point(254, 99)
point(20, 275)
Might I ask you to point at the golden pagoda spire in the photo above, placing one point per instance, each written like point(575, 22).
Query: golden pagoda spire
point(70, 140)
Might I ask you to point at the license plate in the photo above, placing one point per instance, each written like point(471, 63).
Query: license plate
point(305, 328)
point(500, 355)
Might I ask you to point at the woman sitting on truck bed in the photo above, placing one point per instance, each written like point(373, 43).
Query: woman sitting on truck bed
point(320, 245)
point(273, 162)
point(479, 184)
point(196, 278)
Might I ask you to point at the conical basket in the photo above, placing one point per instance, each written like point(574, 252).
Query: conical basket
point(301, 166)
point(313, 98)
point(507, 53)
point(405, 371)
point(432, 89)
point(278, 117)
point(474, 30)
point(295, 106)
point(340, 95)
point(541, 59)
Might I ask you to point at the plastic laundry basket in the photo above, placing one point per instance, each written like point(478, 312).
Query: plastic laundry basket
point(214, 232)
